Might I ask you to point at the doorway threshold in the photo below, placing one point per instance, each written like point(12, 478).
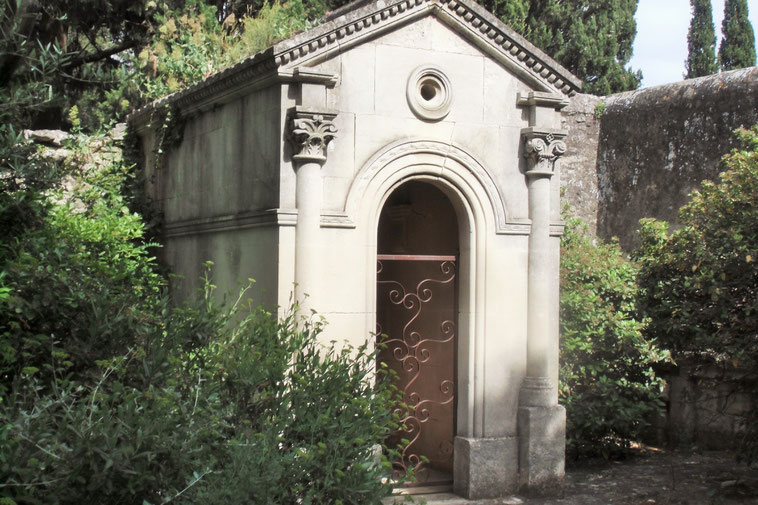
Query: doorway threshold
point(448, 499)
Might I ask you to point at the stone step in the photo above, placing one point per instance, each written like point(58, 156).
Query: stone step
point(448, 499)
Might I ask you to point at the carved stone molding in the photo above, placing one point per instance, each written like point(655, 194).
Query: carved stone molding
point(537, 392)
point(541, 149)
point(310, 133)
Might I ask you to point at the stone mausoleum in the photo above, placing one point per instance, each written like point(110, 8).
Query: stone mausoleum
point(397, 167)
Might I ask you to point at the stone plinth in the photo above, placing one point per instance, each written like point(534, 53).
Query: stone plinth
point(485, 467)
point(542, 443)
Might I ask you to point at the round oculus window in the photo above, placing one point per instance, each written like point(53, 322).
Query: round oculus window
point(429, 94)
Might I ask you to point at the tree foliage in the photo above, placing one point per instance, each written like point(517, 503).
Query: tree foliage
point(608, 385)
point(701, 41)
point(111, 57)
point(593, 39)
point(737, 48)
point(700, 282)
point(53, 52)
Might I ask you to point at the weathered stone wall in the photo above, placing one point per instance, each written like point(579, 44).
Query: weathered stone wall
point(640, 154)
point(652, 147)
point(582, 119)
point(707, 405)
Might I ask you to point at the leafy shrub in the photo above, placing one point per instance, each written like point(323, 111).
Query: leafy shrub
point(608, 385)
point(78, 277)
point(303, 420)
point(211, 412)
point(700, 282)
point(108, 394)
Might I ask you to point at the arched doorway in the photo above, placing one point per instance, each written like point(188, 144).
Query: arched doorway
point(416, 313)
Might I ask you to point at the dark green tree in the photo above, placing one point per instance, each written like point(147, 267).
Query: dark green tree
point(591, 38)
point(737, 49)
point(701, 41)
point(53, 52)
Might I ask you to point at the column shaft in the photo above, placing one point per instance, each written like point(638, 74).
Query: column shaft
point(539, 281)
point(540, 389)
point(308, 198)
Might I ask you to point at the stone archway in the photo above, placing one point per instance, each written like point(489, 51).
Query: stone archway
point(479, 211)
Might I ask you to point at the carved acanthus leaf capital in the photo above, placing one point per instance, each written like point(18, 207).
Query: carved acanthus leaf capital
point(310, 134)
point(541, 149)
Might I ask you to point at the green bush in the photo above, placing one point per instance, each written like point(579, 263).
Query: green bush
point(700, 282)
point(304, 421)
point(213, 411)
point(78, 276)
point(108, 394)
point(608, 385)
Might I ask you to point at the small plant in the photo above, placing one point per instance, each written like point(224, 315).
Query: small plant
point(599, 109)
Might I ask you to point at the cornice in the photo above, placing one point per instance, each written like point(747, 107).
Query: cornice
point(215, 224)
point(509, 47)
point(465, 16)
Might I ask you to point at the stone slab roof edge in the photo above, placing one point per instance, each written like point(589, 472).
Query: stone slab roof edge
point(353, 18)
point(747, 76)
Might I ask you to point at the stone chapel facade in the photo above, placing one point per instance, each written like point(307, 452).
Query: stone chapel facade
point(397, 167)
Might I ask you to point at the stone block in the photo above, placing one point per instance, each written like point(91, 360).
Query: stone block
point(485, 467)
point(542, 449)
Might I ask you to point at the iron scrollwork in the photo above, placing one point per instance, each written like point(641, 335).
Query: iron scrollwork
point(410, 350)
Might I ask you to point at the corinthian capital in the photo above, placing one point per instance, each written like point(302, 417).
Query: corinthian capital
point(541, 149)
point(310, 133)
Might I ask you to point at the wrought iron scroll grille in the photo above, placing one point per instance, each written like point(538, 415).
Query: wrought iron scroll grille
point(416, 309)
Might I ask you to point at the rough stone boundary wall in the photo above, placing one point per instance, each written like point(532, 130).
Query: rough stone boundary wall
point(708, 405)
point(582, 119)
point(642, 152)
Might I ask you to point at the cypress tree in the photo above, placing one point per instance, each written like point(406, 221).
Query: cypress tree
point(737, 48)
point(591, 38)
point(701, 41)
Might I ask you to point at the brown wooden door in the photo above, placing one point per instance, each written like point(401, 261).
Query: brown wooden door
point(416, 322)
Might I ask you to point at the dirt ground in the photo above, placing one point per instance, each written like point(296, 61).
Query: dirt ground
point(660, 477)
point(650, 476)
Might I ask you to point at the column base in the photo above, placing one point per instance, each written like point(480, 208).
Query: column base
point(542, 450)
point(538, 392)
point(485, 467)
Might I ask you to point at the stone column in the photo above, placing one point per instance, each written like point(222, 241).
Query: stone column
point(541, 420)
point(311, 131)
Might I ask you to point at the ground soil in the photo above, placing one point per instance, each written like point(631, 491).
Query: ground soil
point(653, 476)
point(649, 476)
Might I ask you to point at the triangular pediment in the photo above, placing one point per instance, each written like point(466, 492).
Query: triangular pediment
point(363, 21)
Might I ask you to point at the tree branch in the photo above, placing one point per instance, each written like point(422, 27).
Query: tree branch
point(100, 55)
